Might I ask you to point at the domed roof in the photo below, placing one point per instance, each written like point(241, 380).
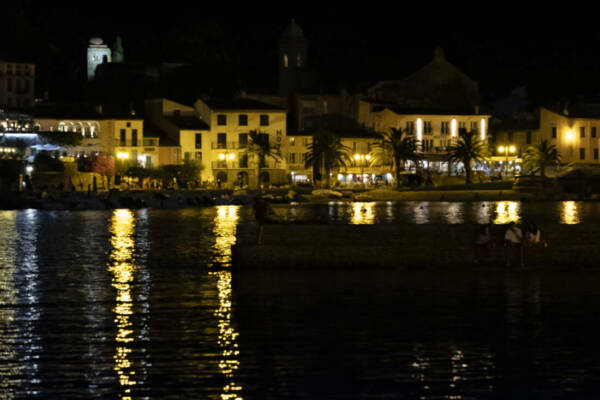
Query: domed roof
point(96, 41)
point(293, 33)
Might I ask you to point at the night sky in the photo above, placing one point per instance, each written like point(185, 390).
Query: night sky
point(350, 48)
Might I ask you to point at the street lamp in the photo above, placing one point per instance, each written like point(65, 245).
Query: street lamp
point(363, 159)
point(506, 149)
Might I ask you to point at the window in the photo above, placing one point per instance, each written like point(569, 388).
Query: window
point(445, 127)
point(198, 156)
point(243, 120)
point(285, 61)
point(582, 153)
point(410, 127)
point(264, 120)
point(187, 155)
point(462, 126)
point(198, 140)
point(243, 140)
point(244, 161)
point(553, 132)
point(134, 137)
point(593, 131)
point(298, 60)
point(292, 141)
point(221, 140)
point(9, 85)
point(595, 154)
point(292, 158)
point(123, 137)
point(427, 127)
point(129, 124)
point(473, 126)
point(528, 137)
point(221, 119)
point(582, 132)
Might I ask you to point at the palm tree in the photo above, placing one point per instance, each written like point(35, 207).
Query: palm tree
point(400, 147)
point(260, 146)
point(468, 149)
point(325, 153)
point(541, 156)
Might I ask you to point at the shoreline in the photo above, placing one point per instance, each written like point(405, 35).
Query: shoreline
point(206, 198)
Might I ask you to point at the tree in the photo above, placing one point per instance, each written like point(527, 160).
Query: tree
point(185, 173)
point(398, 146)
point(261, 147)
point(44, 162)
point(103, 165)
point(541, 156)
point(468, 149)
point(59, 138)
point(326, 152)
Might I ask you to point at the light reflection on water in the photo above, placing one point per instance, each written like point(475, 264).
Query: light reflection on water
point(122, 266)
point(363, 213)
point(569, 213)
point(507, 211)
point(224, 230)
point(10, 367)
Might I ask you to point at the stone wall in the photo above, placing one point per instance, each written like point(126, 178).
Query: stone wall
point(402, 246)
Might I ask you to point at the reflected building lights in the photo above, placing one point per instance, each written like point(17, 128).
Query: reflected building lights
point(454, 214)
point(569, 213)
point(363, 213)
point(225, 226)
point(506, 211)
point(10, 368)
point(122, 267)
point(421, 213)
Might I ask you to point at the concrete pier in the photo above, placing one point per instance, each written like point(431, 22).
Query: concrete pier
point(403, 246)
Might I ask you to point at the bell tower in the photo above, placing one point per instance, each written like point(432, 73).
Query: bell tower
point(293, 61)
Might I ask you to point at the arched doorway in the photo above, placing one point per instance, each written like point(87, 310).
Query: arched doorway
point(222, 176)
point(265, 178)
point(242, 179)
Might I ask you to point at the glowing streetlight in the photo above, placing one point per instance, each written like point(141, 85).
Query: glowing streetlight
point(506, 149)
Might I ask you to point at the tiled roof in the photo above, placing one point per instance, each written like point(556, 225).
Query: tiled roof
point(188, 122)
point(241, 104)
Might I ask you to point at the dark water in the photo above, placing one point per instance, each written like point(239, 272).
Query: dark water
point(141, 305)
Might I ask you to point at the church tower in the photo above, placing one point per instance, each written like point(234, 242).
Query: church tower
point(97, 53)
point(293, 61)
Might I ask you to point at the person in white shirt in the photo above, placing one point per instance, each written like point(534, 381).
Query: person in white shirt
point(513, 237)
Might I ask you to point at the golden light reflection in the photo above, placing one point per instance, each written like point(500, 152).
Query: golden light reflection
point(122, 267)
point(569, 213)
point(225, 226)
point(506, 211)
point(10, 369)
point(363, 213)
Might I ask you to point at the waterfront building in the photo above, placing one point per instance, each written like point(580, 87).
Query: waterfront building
point(120, 135)
point(574, 132)
point(17, 84)
point(434, 130)
point(216, 134)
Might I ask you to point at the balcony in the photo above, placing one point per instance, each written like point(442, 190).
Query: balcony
point(236, 164)
point(227, 145)
point(127, 143)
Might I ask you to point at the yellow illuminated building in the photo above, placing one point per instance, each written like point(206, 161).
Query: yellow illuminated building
point(575, 135)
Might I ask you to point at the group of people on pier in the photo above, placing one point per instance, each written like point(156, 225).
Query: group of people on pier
point(517, 238)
